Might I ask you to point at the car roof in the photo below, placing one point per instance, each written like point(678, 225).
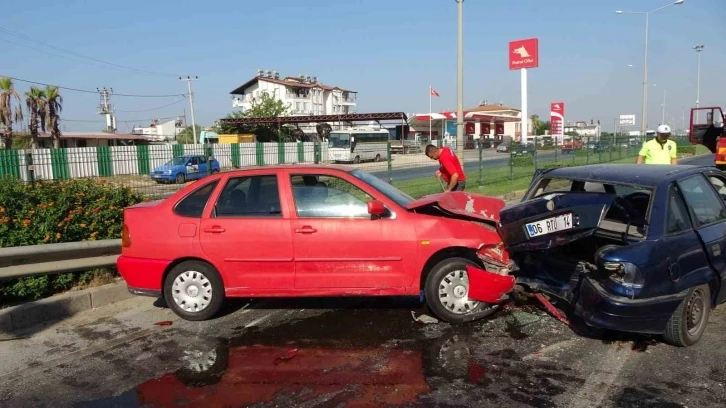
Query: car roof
point(275, 167)
point(650, 175)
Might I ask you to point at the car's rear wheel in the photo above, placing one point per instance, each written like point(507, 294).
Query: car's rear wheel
point(194, 290)
point(447, 289)
point(180, 178)
point(688, 323)
point(378, 158)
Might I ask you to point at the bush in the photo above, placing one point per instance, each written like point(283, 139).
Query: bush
point(521, 161)
point(57, 211)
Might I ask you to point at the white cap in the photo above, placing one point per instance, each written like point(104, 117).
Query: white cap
point(664, 129)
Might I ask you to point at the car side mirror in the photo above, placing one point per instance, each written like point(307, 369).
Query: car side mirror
point(376, 208)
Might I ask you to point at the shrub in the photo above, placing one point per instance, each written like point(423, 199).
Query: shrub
point(57, 211)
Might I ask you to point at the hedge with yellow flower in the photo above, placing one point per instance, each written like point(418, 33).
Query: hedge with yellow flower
point(57, 211)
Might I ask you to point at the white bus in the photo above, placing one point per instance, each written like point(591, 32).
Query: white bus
point(358, 144)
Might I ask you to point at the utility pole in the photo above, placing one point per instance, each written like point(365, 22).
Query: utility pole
point(698, 49)
point(189, 80)
point(460, 83)
point(662, 119)
point(105, 108)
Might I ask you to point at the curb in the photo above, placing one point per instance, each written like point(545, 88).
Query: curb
point(60, 306)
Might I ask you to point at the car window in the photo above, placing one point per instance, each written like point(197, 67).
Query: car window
point(547, 186)
point(252, 196)
point(193, 204)
point(328, 196)
point(677, 213)
point(719, 184)
point(705, 205)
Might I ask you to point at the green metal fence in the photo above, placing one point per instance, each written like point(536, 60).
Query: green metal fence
point(488, 169)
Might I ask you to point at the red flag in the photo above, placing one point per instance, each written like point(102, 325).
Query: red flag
point(433, 92)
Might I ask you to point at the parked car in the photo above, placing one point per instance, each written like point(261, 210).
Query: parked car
point(521, 149)
point(313, 230)
point(180, 169)
point(635, 248)
point(570, 146)
point(504, 147)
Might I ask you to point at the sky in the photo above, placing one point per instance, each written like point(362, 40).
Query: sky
point(389, 51)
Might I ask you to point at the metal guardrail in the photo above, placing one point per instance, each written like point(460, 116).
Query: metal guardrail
point(49, 259)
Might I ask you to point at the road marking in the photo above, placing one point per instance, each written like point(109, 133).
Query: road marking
point(599, 381)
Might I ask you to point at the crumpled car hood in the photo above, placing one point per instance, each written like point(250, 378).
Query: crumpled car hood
point(471, 206)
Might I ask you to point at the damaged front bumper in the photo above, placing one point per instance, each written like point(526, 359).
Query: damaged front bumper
point(494, 282)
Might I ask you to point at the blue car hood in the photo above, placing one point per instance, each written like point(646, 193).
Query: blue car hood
point(164, 168)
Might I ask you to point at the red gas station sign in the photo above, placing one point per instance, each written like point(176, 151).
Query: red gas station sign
point(524, 53)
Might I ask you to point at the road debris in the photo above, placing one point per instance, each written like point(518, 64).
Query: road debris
point(288, 355)
point(163, 323)
point(425, 319)
point(550, 308)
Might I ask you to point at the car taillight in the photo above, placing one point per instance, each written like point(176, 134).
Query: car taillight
point(125, 237)
point(624, 273)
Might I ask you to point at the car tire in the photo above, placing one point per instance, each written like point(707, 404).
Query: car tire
point(185, 288)
point(378, 158)
point(452, 268)
point(688, 323)
point(180, 178)
point(356, 160)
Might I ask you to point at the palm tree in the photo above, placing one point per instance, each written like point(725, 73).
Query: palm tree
point(54, 102)
point(37, 108)
point(8, 115)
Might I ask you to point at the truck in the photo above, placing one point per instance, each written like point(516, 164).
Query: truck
point(402, 142)
point(707, 128)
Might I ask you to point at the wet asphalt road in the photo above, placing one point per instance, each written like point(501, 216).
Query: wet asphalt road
point(350, 353)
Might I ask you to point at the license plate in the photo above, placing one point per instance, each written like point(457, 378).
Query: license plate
point(548, 226)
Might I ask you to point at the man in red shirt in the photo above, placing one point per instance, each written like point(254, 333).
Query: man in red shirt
point(451, 170)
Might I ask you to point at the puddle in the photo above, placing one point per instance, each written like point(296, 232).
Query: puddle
point(352, 358)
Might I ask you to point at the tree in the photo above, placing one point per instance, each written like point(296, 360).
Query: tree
point(539, 127)
point(264, 106)
point(54, 107)
point(37, 105)
point(8, 115)
point(186, 136)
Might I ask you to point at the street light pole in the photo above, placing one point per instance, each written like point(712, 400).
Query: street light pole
point(460, 83)
point(662, 119)
point(698, 49)
point(644, 123)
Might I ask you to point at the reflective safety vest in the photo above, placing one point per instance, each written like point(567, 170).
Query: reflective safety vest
point(656, 153)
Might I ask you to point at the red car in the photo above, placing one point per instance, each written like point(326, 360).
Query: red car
point(313, 230)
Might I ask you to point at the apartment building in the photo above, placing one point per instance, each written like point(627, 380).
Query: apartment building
point(303, 95)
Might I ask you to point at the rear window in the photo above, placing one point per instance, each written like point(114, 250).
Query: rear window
point(193, 204)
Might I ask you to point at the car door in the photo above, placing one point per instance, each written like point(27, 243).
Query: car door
point(247, 233)
point(708, 213)
point(336, 242)
point(718, 181)
point(202, 166)
point(681, 248)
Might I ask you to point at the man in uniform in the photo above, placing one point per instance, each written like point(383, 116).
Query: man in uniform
point(660, 150)
point(451, 170)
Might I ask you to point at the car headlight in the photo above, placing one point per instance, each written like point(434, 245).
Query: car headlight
point(624, 273)
point(167, 172)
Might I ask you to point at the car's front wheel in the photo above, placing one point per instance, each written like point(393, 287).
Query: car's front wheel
point(194, 291)
point(180, 178)
point(688, 323)
point(447, 290)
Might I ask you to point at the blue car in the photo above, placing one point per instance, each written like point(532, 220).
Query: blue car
point(180, 169)
point(634, 248)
